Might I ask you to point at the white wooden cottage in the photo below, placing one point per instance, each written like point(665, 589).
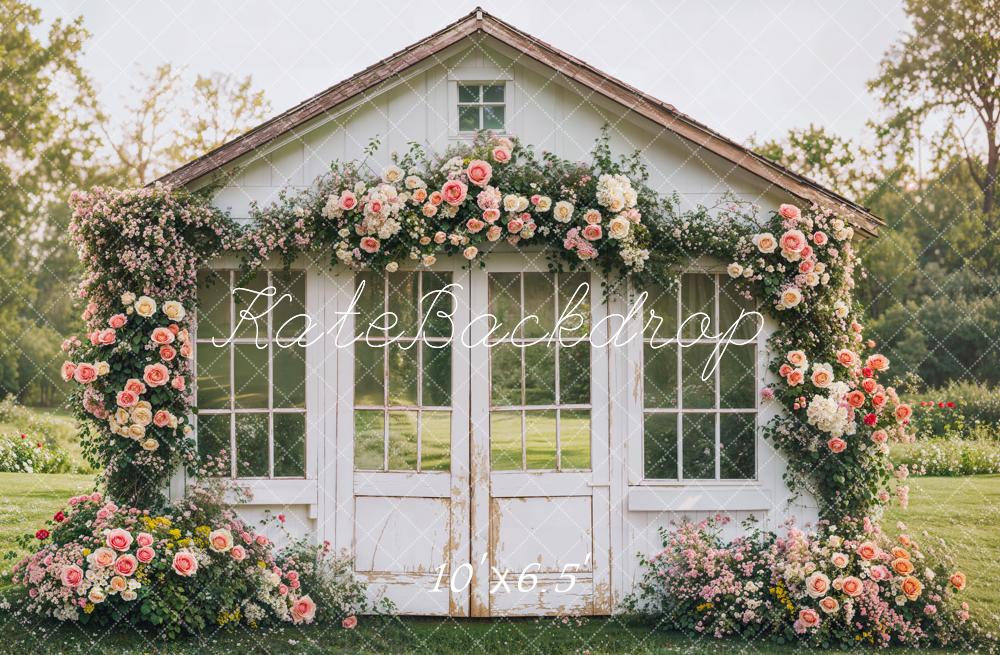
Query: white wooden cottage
point(452, 474)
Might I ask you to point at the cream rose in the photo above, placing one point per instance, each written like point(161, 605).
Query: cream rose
point(563, 211)
point(174, 310)
point(618, 228)
point(145, 306)
point(220, 540)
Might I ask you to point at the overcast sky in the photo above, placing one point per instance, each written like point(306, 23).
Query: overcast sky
point(742, 67)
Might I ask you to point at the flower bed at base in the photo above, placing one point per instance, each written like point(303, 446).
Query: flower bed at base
point(840, 585)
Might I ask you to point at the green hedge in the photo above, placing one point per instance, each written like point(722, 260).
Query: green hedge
point(948, 456)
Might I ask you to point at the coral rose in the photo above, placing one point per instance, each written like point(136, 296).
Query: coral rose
point(145, 554)
point(911, 587)
point(370, 244)
point(867, 550)
point(479, 172)
point(135, 386)
point(903, 413)
point(957, 580)
point(126, 565)
point(303, 610)
point(836, 445)
point(792, 241)
point(156, 375)
point(71, 576)
point(453, 192)
point(852, 586)
point(185, 563)
point(119, 539)
point(902, 566)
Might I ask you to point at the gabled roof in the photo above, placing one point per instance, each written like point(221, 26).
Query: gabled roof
point(478, 21)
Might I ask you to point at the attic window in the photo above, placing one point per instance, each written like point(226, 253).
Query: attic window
point(480, 107)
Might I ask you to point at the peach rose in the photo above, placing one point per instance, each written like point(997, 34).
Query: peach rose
point(902, 566)
point(840, 560)
point(846, 357)
point(852, 586)
point(178, 382)
point(911, 587)
point(119, 539)
point(161, 419)
point(185, 563)
point(349, 623)
point(135, 386)
point(68, 369)
point(765, 242)
point(155, 375)
point(867, 550)
point(144, 539)
point(103, 557)
point(186, 350)
point(474, 225)
point(479, 172)
point(903, 413)
point(820, 238)
point(429, 210)
point(162, 336)
point(420, 195)
point(85, 373)
point(501, 155)
point(792, 241)
point(303, 610)
point(817, 585)
point(829, 605)
point(856, 399)
point(957, 580)
point(880, 436)
point(836, 445)
point(453, 192)
point(822, 375)
point(117, 321)
point(791, 297)
point(900, 553)
point(795, 377)
point(878, 362)
point(126, 565)
point(789, 211)
point(592, 232)
point(808, 618)
point(220, 540)
point(238, 553)
point(71, 576)
point(796, 358)
point(145, 554)
point(167, 353)
point(107, 337)
point(118, 584)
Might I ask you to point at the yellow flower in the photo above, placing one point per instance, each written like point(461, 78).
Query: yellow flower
point(203, 530)
point(88, 608)
point(85, 551)
point(175, 533)
point(261, 564)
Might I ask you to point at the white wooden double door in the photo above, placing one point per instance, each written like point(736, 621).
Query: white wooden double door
point(472, 477)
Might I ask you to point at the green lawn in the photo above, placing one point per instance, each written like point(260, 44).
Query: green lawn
point(964, 511)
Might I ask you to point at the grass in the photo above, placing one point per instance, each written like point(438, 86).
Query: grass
point(51, 426)
point(27, 500)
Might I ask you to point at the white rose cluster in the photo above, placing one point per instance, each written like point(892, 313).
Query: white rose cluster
point(829, 413)
point(615, 192)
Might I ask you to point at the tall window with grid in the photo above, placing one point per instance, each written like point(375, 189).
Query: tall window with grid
point(402, 372)
point(251, 392)
point(699, 391)
point(540, 392)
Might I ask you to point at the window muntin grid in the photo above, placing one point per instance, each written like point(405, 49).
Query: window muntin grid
point(251, 392)
point(696, 429)
point(481, 106)
point(402, 375)
point(539, 392)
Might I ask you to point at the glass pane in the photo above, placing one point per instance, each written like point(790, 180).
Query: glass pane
point(253, 303)
point(505, 300)
point(437, 375)
point(698, 393)
point(402, 441)
point(698, 432)
point(369, 372)
point(505, 374)
point(540, 439)
point(468, 119)
point(660, 376)
point(539, 375)
point(493, 116)
point(493, 93)
point(698, 297)
point(213, 376)
point(289, 301)
point(574, 438)
point(433, 304)
point(737, 377)
point(403, 374)
point(250, 373)
point(369, 440)
point(213, 439)
point(663, 302)
point(505, 441)
point(539, 301)
point(435, 441)
point(731, 303)
point(403, 302)
point(251, 445)
point(574, 303)
point(738, 445)
point(574, 374)
point(289, 445)
point(659, 446)
point(468, 93)
point(289, 376)
point(370, 304)
point(213, 304)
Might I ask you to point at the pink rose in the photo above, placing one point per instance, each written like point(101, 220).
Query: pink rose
point(186, 350)
point(303, 610)
point(494, 233)
point(126, 565)
point(72, 576)
point(836, 445)
point(454, 192)
point(592, 232)
point(135, 386)
point(85, 373)
point(144, 539)
point(103, 557)
point(178, 383)
point(479, 172)
point(68, 369)
point(185, 563)
point(107, 337)
point(789, 211)
point(808, 618)
point(145, 554)
point(880, 436)
point(349, 623)
point(370, 244)
point(162, 336)
point(501, 155)
point(348, 200)
point(435, 198)
point(515, 225)
point(491, 215)
point(117, 321)
point(792, 241)
point(119, 539)
point(261, 540)
point(820, 238)
point(879, 572)
point(474, 225)
point(167, 353)
point(127, 399)
point(282, 590)
point(238, 553)
point(156, 375)
point(161, 419)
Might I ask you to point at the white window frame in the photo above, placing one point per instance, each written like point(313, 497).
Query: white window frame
point(481, 76)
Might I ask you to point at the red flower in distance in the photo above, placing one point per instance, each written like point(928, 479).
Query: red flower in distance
point(59, 517)
point(42, 534)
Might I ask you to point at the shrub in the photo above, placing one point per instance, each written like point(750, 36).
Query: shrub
point(19, 454)
point(948, 456)
point(958, 409)
point(843, 586)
